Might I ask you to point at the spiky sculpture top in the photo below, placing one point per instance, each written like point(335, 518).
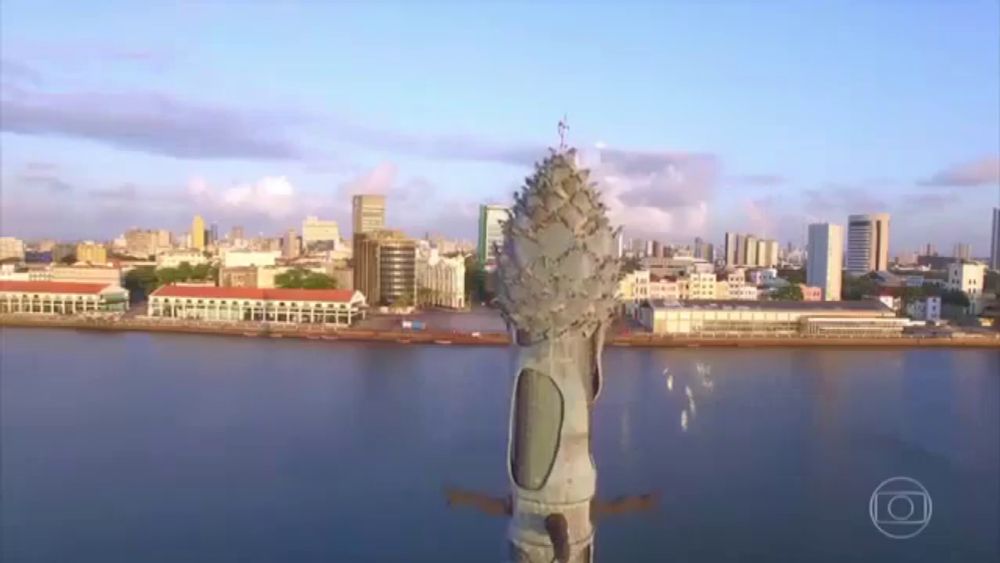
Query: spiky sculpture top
point(556, 269)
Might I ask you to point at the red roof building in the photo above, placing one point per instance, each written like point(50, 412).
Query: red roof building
point(248, 304)
point(200, 292)
point(63, 298)
point(75, 288)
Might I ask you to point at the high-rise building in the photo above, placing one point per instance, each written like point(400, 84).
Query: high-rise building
point(995, 241)
point(198, 233)
point(316, 231)
point(236, 233)
point(620, 244)
point(213, 235)
point(768, 255)
point(290, 245)
point(733, 249)
point(92, 253)
point(928, 250)
point(385, 267)
point(368, 213)
point(825, 259)
point(749, 250)
point(867, 243)
point(491, 220)
point(963, 251)
point(11, 247)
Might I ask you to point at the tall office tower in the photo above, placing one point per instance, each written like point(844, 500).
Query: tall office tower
point(236, 233)
point(290, 244)
point(963, 251)
point(825, 259)
point(213, 234)
point(198, 233)
point(867, 243)
point(620, 244)
point(733, 244)
point(385, 267)
point(491, 220)
point(995, 241)
point(708, 252)
point(368, 213)
point(928, 250)
point(750, 250)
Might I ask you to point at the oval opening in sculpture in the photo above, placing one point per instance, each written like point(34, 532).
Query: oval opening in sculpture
point(537, 424)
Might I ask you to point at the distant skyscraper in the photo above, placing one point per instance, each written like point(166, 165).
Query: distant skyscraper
point(963, 251)
point(750, 250)
point(491, 219)
point(733, 246)
point(928, 250)
point(368, 213)
point(213, 234)
point(995, 241)
point(867, 243)
point(699, 248)
point(620, 244)
point(825, 258)
point(236, 233)
point(290, 245)
point(198, 233)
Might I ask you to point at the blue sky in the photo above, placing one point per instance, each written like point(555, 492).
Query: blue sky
point(697, 117)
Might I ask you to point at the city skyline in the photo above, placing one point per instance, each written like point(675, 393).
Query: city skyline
point(184, 124)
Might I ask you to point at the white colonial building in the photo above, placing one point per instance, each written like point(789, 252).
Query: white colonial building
point(174, 258)
point(302, 306)
point(440, 280)
point(61, 298)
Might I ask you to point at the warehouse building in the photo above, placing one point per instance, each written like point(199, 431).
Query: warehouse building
point(771, 318)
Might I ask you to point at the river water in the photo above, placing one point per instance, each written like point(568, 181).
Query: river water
point(177, 448)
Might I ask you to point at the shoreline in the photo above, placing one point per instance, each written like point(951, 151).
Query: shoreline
point(444, 338)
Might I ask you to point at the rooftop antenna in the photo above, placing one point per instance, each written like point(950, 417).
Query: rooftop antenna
point(563, 128)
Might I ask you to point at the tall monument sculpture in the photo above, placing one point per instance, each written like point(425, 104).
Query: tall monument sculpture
point(557, 274)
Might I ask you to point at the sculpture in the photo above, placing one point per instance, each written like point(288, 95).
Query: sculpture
point(557, 277)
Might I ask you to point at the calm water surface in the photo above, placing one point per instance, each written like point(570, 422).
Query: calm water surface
point(141, 447)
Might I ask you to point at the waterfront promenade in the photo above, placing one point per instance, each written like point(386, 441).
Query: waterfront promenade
point(438, 336)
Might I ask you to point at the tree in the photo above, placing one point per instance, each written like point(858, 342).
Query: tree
point(787, 293)
point(856, 288)
point(69, 259)
point(300, 278)
point(793, 275)
point(141, 280)
point(630, 264)
point(955, 297)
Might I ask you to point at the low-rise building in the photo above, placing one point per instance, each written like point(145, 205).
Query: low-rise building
point(244, 276)
point(701, 285)
point(634, 287)
point(927, 309)
point(91, 253)
point(771, 318)
point(174, 258)
point(11, 249)
point(238, 258)
point(668, 290)
point(61, 298)
point(811, 293)
point(82, 274)
point(302, 306)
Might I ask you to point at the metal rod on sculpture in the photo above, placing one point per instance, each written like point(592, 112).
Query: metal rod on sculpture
point(556, 280)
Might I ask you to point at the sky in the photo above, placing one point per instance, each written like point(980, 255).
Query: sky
point(695, 118)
